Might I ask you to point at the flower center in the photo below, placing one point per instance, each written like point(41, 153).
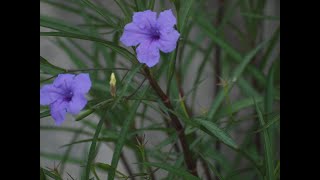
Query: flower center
point(68, 96)
point(155, 34)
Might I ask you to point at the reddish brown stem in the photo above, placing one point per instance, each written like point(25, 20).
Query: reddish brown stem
point(218, 67)
point(191, 165)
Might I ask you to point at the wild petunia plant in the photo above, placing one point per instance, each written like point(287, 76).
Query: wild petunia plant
point(170, 89)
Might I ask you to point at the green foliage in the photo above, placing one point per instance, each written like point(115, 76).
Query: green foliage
point(222, 84)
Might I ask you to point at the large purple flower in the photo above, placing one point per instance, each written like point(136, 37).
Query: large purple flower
point(152, 33)
point(66, 94)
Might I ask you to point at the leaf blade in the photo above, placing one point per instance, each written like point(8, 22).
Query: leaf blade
point(237, 73)
point(109, 44)
point(267, 147)
point(92, 149)
point(177, 171)
point(217, 132)
point(121, 141)
point(47, 67)
point(184, 14)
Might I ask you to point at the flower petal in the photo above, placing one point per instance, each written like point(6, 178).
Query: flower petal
point(133, 35)
point(49, 94)
point(138, 31)
point(77, 103)
point(168, 40)
point(145, 19)
point(63, 81)
point(81, 83)
point(148, 53)
point(166, 20)
point(58, 111)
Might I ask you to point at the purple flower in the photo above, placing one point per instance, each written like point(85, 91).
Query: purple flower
point(152, 33)
point(66, 94)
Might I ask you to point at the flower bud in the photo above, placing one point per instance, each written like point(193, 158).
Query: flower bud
point(113, 82)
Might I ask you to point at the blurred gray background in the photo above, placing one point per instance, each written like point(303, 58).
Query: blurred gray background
point(51, 141)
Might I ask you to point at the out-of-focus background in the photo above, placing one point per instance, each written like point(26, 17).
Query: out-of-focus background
point(51, 141)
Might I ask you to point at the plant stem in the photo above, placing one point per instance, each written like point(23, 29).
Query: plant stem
point(206, 169)
point(122, 157)
point(217, 67)
point(126, 165)
point(191, 165)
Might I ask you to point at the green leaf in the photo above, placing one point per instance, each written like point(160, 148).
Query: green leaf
point(277, 171)
point(273, 42)
point(215, 170)
point(70, 9)
point(65, 129)
point(237, 172)
point(171, 68)
point(213, 154)
point(277, 75)
point(268, 154)
point(78, 62)
point(109, 44)
point(195, 48)
point(92, 150)
point(94, 173)
point(140, 5)
point(247, 59)
point(212, 33)
point(59, 25)
point(66, 155)
point(151, 4)
point(271, 122)
point(102, 139)
point(238, 106)
point(184, 14)
point(123, 134)
point(105, 16)
point(200, 69)
point(127, 83)
point(59, 157)
point(269, 97)
point(42, 176)
point(170, 140)
point(45, 114)
point(51, 174)
point(258, 16)
point(247, 88)
point(123, 6)
point(151, 128)
point(177, 171)
point(83, 114)
point(176, 4)
point(107, 167)
point(47, 67)
point(177, 164)
point(214, 130)
point(236, 74)
point(229, 12)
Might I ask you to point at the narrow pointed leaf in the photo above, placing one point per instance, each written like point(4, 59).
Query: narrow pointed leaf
point(217, 132)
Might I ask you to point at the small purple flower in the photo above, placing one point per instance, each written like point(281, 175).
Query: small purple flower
point(152, 33)
point(66, 94)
